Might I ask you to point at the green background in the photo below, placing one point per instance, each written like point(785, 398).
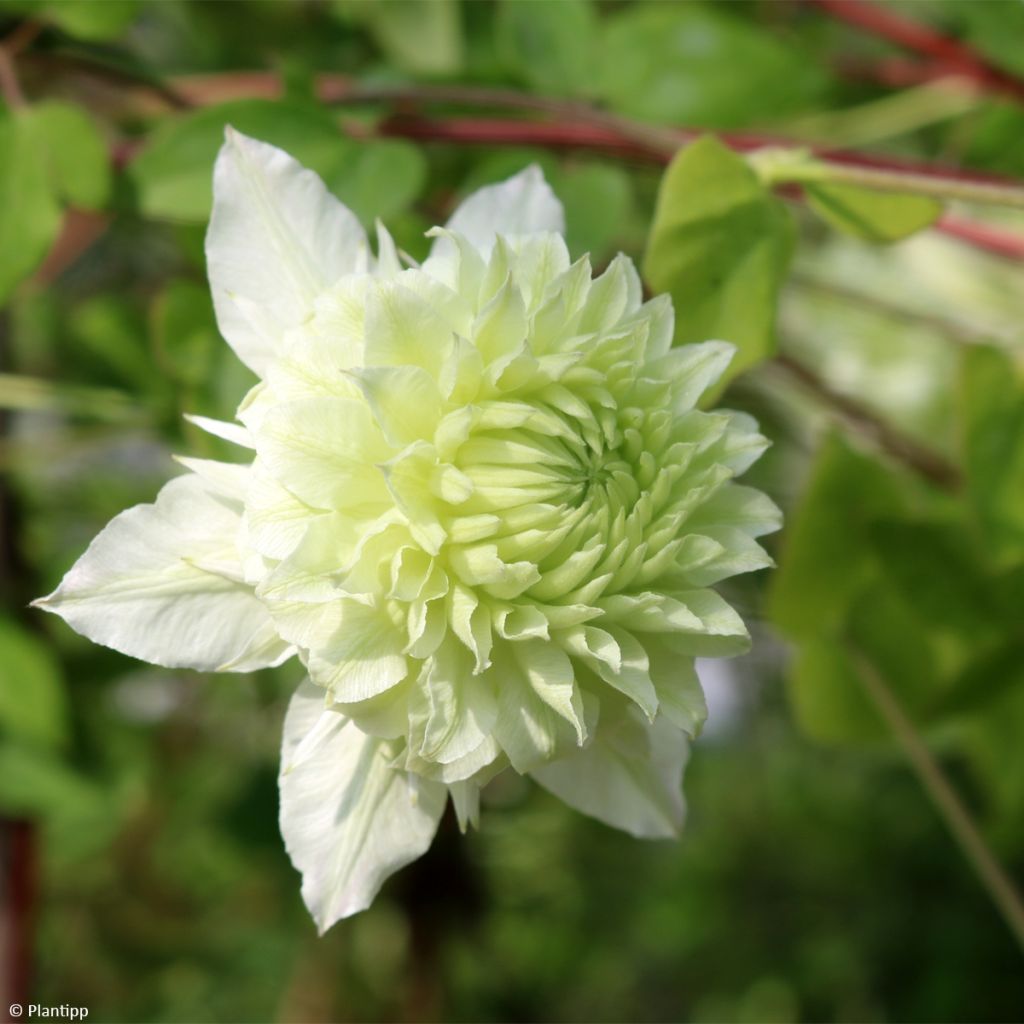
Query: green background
point(814, 881)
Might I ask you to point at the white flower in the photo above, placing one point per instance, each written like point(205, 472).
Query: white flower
point(482, 509)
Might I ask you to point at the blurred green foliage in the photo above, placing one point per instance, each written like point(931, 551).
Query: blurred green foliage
point(814, 882)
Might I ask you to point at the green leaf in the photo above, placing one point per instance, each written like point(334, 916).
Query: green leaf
point(174, 174)
point(109, 327)
point(697, 64)
point(74, 153)
point(985, 679)
point(31, 213)
point(826, 557)
point(185, 331)
point(598, 200)
point(936, 568)
point(32, 702)
point(827, 698)
point(992, 428)
point(870, 214)
point(550, 46)
point(720, 245)
point(379, 179)
point(827, 695)
point(87, 19)
point(418, 36)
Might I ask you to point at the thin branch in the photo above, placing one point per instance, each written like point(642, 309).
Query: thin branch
point(834, 172)
point(957, 818)
point(941, 51)
point(928, 464)
point(992, 239)
point(955, 331)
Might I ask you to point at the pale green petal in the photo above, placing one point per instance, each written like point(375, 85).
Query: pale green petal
point(349, 819)
point(403, 329)
point(277, 238)
point(466, 801)
point(629, 776)
point(522, 205)
point(162, 582)
point(325, 451)
point(454, 711)
point(404, 400)
point(362, 657)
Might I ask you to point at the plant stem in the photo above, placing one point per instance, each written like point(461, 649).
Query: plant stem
point(950, 807)
point(785, 166)
point(834, 173)
point(928, 464)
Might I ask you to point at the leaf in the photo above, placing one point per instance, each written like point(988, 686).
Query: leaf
point(827, 699)
point(720, 245)
point(87, 19)
point(598, 201)
point(174, 173)
point(74, 153)
point(32, 702)
point(379, 179)
point(935, 567)
point(694, 64)
point(418, 36)
point(992, 428)
point(825, 690)
point(31, 213)
point(986, 678)
point(826, 559)
point(870, 214)
point(185, 332)
point(549, 46)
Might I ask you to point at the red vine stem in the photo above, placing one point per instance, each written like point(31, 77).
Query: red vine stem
point(575, 135)
point(946, 55)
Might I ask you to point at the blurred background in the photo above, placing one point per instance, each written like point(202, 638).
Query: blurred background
point(814, 880)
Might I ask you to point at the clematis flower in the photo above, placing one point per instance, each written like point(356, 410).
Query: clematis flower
point(478, 503)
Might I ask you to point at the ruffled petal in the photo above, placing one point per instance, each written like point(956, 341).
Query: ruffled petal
point(629, 776)
point(349, 819)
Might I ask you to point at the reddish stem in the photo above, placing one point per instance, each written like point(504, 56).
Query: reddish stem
point(946, 55)
point(18, 862)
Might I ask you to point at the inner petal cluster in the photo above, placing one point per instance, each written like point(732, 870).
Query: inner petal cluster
point(503, 510)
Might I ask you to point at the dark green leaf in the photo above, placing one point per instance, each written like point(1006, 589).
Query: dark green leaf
point(174, 174)
point(31, 213)
point(550, 46)
point(992, 418)
point(419, 36)
point(598, 200)
point(185, 332)
point(935, 567)
point(87, 19)
point(379, 179)
point(698, 64)
point(74, 153)
point(32, 704)
point(720, 245)
point(826, 559)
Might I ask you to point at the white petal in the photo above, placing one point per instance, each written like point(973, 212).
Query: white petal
point(162, 582)
point(349, 819)
point(629, 776)
point(277, 239)
point(232, 432)
point(522, 205)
